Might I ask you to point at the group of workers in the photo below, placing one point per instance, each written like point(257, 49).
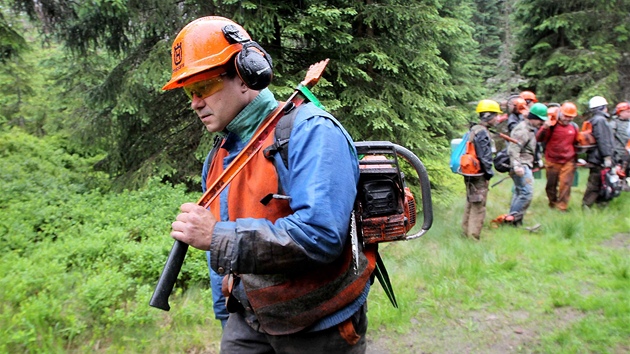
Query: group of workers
point(535, 128)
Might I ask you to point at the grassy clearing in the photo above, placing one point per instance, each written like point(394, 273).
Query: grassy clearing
point(565, 288)
point(79, 267)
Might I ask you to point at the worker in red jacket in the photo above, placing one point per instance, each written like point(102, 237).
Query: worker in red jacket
point(559, 137)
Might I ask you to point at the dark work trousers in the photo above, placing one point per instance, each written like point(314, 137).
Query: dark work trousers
point(593, 186)
point(559, 181)
point(475, 208)
point(238, 337)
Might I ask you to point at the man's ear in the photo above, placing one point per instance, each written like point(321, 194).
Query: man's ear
point(243, 87)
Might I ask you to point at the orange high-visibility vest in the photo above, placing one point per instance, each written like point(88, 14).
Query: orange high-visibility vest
point(249, 187)
point(288, 303)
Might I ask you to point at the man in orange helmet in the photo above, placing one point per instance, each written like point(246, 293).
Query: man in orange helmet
point(529, 97)
point(620, 125)
point(518, 112)
point(290, 283)
point(559, 137)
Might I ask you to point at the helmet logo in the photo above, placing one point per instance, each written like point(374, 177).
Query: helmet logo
point(177, 56)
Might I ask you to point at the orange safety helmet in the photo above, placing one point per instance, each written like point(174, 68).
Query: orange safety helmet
point(520, 104)
point(568, 109)
point(199, 47)
point(528, 95)
point(622, 106)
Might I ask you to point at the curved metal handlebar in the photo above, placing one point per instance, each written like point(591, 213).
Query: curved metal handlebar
point(425, 188)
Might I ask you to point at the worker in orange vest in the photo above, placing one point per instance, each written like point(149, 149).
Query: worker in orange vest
point(477, 185)
point(287, 264)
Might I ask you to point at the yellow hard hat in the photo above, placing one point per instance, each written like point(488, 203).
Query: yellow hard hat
point(488, 106)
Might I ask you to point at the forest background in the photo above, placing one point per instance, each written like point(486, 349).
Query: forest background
point(95, 159)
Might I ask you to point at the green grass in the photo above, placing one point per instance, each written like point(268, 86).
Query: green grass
point(79, 266)
point(570, 280)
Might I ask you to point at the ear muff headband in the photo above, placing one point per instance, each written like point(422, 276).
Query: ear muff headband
point(253, 64)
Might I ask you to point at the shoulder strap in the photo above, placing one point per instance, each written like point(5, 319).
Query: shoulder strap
point(473, 130)
point(282, 135)
point(615, 130)
point(613, 124)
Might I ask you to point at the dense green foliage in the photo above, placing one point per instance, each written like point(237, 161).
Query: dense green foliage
point(488, 19)
point(78, 264)
point(11, 43)
point(574, 50)
point(399, 71)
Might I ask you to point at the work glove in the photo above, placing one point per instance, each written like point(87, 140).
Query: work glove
point(607, 162)
point(519, 171)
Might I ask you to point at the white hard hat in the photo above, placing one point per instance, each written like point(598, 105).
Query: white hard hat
point(597, 101)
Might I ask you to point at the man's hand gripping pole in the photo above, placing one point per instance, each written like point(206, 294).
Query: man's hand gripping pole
point(176, 257)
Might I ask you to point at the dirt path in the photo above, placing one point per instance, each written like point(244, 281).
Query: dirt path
point(475, 332)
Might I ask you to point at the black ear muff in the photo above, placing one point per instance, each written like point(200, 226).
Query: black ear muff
point(253, 64)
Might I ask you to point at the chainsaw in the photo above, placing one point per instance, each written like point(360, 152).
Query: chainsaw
point(386, 208)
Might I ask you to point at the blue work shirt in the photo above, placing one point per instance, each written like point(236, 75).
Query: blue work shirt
point(321, 180)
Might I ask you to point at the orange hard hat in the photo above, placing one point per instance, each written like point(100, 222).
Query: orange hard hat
point(528, 95)
point(568, 109)
point(200, 47)
point(622, 106)
point(519, 104)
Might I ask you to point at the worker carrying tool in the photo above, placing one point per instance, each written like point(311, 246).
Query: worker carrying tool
point(287, 224)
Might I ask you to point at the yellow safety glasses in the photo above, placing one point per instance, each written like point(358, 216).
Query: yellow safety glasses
point(205, 88)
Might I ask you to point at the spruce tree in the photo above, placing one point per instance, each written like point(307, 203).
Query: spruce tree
point(487, 19)
point(402, 71)
point(574, 49)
